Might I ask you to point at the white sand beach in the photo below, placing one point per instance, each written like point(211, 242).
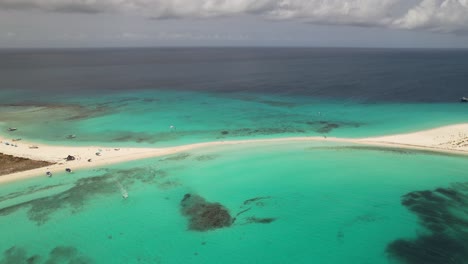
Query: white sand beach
point(451, 139)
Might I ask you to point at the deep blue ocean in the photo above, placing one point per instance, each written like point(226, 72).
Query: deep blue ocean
point(366, 75)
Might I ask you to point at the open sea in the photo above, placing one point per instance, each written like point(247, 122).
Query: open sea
point(257, 203)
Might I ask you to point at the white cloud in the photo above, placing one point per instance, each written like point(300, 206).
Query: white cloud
point(351, 12)
point(436, 15)
point(433, 15)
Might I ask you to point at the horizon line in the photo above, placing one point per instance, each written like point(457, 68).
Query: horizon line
point(230, 47)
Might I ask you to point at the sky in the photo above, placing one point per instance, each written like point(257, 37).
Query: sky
point(304, 23)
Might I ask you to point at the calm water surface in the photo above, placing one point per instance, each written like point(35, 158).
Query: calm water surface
point(276, 203)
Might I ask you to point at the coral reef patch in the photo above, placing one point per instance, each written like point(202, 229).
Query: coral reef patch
point(58, 255)
point(443, 214)
point(203, 215)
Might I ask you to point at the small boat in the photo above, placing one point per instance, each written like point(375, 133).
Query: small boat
point(71, 136)
point(11, 129)
point(122, 190)
point(464, 99)
point(49, 174)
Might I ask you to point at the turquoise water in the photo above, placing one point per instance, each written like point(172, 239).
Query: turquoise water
point(292, 203)
point(321, 203)
point(144, 117)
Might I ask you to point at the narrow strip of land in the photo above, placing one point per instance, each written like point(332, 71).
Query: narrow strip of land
point(448, 139)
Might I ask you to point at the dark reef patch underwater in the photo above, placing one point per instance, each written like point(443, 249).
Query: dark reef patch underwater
point(40, 209)
point(444, 213)
point(205, 216)
point(58, 255)
point(83, 190)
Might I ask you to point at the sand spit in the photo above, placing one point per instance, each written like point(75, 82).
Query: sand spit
point(451, 139)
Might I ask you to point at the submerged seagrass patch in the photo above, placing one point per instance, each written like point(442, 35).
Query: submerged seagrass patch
point(442, 213)
point(203, 215)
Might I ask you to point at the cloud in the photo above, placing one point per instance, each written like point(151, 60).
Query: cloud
point(436, 15)
point(432, 15)
point(66, 6)
point(351, 12)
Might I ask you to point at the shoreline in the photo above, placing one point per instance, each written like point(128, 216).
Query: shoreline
point(451, 139)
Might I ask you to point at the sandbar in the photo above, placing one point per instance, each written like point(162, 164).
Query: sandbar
point(451, 139)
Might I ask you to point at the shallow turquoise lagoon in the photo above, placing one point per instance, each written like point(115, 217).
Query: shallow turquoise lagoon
point(144, 118)
point(293, 203)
